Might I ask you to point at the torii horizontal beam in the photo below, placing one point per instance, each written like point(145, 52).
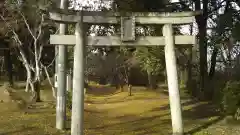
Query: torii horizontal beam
point(99, 17)
point(118, 14)
point(116, 41)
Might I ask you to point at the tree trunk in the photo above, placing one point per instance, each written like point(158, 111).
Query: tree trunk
point(121, 88)
point(182, 75)
point(213, 63)
point(202, 27)
point(37, 91)
point(35, 86)
point(120, 82)
point(50, 82)
point(8, 66)
point(20, 73)
point(185, 76)
point(189, 70)
point(129, 90)
point(165, 75)
point(150, 80)
point(28, 80)
point(216, 48)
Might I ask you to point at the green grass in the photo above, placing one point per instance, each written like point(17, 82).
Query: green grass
point(108, 112)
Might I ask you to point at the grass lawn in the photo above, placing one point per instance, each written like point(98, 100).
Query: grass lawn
point(108, 112)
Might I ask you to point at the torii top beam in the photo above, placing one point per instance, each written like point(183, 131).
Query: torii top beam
point(100, 17)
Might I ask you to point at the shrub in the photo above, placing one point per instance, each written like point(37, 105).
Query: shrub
point(231, 98)
point(69, 100)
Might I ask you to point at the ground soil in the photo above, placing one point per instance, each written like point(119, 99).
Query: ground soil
point(110, 112)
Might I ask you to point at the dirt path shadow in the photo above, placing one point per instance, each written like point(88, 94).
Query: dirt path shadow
point(102, 90)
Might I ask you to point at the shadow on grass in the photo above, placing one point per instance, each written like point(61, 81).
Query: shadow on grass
point(201, 111)
point(136, 120)
point(102, 90)
point(167, 107)
point(205, 125)
point(93, 111)
point(40, 111)
point(148, 129)
point(198, 111)
point(122, 99)
point(19, 131)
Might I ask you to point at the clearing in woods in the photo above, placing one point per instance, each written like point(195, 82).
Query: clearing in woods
point(109, 112)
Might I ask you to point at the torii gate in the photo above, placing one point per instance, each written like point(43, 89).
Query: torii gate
point(128, 21)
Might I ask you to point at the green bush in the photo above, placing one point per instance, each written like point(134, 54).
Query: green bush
point(69, 100)
point(231, 98)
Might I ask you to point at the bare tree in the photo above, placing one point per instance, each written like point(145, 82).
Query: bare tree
point(34, 32)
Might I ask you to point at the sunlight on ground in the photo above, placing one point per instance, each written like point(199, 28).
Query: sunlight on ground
point(144, 113)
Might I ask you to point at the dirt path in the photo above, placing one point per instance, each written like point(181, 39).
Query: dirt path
point(144, 113)
point(150, 115)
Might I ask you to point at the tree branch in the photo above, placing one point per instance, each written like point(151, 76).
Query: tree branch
point(40, 28)
point(52, 60)
point(26, 23)
point(13, 31)
point(49, 80)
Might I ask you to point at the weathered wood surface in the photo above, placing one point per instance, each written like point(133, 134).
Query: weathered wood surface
point(97, 19)
point(116, 41)
point(118, 14)
point(77, 119)
point(172, 78)
point(61, 76)
point(100, 17)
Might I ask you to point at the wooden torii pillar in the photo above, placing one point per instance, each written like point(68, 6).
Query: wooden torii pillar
point(128, 21)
